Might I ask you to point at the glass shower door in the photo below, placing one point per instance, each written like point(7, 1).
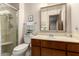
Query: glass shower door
point(4, 28)
point(9, 28)
point(5, 32)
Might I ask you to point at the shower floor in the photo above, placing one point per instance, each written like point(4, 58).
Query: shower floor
point(6, 54)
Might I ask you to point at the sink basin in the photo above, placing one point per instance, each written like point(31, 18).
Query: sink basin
point(49, 37)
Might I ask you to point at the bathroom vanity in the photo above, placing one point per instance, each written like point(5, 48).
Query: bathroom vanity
point(55, 19)
point(64, 46)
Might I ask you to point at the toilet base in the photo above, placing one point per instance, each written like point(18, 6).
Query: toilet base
point(26, 53)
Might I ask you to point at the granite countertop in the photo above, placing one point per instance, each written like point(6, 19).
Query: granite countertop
point(56, 38)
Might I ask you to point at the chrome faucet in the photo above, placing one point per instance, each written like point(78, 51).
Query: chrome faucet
point(51, 35)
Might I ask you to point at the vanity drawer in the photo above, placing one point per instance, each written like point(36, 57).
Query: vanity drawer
point(53, 44)
point(52, 52)
point(36, 42)
point(72, 54)
point(73, 47)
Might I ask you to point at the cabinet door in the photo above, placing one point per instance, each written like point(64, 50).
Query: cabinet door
point(72, 54)
point(35, 51)
point(73, 47)
point(46, 52)
point(36, 42)
point(52, 52)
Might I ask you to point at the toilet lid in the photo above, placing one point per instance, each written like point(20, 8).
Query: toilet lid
point(21, 46)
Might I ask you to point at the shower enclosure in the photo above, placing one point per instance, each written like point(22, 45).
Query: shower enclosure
point(9, 29)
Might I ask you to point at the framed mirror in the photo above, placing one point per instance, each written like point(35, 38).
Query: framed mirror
point(54, 18)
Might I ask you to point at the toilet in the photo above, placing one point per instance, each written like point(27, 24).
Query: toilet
point(22, 49)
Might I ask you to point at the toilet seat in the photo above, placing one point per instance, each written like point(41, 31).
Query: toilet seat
point(21, 47)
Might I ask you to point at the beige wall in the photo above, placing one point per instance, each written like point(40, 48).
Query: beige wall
point(29, 9)
point(34, 10)
point(75, 19)
point(75, 16)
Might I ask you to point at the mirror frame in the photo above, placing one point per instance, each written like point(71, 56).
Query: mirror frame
point(65, 4)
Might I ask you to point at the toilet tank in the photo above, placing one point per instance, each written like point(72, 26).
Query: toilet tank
point(27, 38)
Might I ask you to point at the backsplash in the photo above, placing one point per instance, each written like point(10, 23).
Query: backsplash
point(56, 34)
point(76, 35)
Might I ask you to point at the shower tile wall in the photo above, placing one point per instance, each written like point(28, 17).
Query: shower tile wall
point(0, 39)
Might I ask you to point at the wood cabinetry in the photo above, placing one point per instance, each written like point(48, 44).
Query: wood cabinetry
point(48, 48)
point(52, 52)
point(35, 42)
point(72, 54)
point(36, 47)
point(36, 51)
point(53, 44)
point(73, 49)
point(54, 48)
